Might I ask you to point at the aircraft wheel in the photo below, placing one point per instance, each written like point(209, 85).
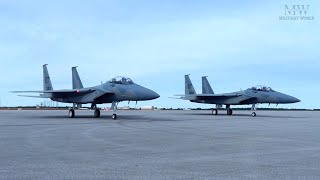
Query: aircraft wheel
point(229, 111)
point(214, 111)
point(114, 116)
point(71, 113)
point(96, 113)
point(253, 114)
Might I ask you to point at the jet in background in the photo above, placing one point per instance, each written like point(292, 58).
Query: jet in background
point(114, 91)
point(254, 96)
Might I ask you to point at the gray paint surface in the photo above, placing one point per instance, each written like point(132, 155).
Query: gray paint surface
point(116, 90)
point(160, 145)
point(254, 95)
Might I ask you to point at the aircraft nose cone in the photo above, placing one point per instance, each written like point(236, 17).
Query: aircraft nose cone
point(290, 99)
point(295, 100)
point(145, 94)
point(152, 95)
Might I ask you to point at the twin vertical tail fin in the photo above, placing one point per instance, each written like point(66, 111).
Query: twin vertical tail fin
point(47, 86)
point(206, 88)
point(189, 89)
point(76, 81)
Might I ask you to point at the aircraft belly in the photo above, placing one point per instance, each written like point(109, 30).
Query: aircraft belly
point(86, 98)
point(231, 101)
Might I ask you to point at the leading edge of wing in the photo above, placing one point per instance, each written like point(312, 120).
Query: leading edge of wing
point(206, 96)
point(32, 96)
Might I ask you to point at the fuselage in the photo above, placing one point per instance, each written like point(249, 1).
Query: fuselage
point(251, 96)
point(110, 92)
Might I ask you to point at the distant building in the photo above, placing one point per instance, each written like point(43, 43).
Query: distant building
point(124, 108)
point(147, 107)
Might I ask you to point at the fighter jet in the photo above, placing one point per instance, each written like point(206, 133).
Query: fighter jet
point(255, 95)
point(114, 91)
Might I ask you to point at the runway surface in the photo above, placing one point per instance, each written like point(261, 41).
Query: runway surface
point(160, 145)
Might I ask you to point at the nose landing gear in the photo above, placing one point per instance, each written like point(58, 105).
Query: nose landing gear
point(253, 108)
point(114, 107)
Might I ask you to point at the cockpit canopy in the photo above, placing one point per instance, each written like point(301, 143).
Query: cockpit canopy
point(262, 88)
point(121, 80)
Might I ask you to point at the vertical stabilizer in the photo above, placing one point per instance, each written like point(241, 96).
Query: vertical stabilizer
point(189, 89)
point(206, 88)
point(76, 81)
point(47, 86)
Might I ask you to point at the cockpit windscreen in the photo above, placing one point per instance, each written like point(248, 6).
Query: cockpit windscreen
point(121, 80)
point(262, 88)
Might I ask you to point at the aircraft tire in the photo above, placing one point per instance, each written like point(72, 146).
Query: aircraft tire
point(229, 111)
point(96, 113)
point(254, 114)
point(114, 116)
point(214, 111)
point(71, 113)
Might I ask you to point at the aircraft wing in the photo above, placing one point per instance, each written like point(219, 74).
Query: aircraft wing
point(58, 93)
point(228, 97)
point(207, 96)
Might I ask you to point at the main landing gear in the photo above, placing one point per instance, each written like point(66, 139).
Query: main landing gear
point(71, 113)
point(96, 113)
point(229, 110)
point(215, 110)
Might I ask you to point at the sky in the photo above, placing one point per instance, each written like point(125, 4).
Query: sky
point(237, 44)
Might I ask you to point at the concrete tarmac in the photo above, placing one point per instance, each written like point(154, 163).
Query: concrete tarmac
point(160, 145)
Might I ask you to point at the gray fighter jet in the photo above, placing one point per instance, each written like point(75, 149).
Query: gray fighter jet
point(114, 91)
point(255, 95)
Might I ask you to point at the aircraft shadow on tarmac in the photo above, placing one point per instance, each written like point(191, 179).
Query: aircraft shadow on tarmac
point(106, 117)
point(242, 115)
point(103, 117)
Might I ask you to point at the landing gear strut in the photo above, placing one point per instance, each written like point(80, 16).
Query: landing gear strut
point(253, 108)
point(96, 113)
point(114, 107)
point(215, 110)
point(71, 111)
point(229, 110)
